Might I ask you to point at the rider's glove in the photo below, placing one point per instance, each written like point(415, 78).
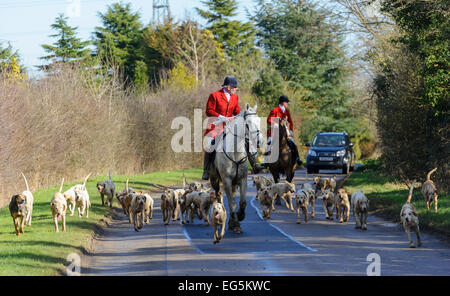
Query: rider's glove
point(223, 118)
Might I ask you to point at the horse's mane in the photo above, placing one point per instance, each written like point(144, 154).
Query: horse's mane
point(284, 123)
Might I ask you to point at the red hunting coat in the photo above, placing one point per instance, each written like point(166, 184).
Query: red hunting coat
point(277, 112)
point(219, 105)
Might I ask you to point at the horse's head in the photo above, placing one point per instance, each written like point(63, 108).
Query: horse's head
point(253, 125)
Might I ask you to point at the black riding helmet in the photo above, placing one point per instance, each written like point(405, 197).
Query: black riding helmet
point(282, 99)
point(231, 81)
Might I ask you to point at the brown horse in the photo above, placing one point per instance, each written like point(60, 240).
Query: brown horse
point(286, 162)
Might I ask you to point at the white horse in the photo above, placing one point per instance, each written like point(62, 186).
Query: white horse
point(230, 166)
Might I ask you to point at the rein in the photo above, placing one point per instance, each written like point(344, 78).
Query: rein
point(247, 130)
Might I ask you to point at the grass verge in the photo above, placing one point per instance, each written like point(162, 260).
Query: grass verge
point(387, 198)
point(42, 251)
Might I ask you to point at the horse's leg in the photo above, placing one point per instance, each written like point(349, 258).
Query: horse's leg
point(233, 222)
point(242, 199)
point(275, 175)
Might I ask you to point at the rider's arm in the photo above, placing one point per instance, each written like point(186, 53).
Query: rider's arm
point(291, 123)
point(270, 119)
point(211, 107)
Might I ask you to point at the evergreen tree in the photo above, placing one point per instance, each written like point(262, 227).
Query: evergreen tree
point(235, 37)
point(67, 48)
point(120, 39)
point(10, 65)
point(7, 54)
point(269, 87)
point(307, 51)
point(157, 49)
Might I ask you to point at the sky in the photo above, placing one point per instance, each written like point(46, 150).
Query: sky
point(26, 23)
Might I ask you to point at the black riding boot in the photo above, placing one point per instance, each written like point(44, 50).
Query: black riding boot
point(294, 149)
point(207, 161)
point(256, 168)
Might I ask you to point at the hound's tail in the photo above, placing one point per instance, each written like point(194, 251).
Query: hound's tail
point(26, 183)
point(429, 174)
point(85, 179)
point(110, 174)
point(127, 185)
point(60, 188)
point(306, 178)
point(184, 181)
point(411, 188)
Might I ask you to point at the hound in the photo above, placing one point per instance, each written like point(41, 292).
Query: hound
point(360, 207)
point(58, 206)
point(70, 197)
point(301, 201)
point(410, 218)
point(429, 191)
point(218, 218)
point(342, 205)
point(328, 200)
point(107, 188)
point(282, 190)
point(29, 200)
point(311, 197)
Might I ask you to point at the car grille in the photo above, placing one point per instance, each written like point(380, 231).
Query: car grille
point(327, 154)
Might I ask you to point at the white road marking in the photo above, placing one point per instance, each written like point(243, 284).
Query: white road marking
point(190, 241)
point(278, 229)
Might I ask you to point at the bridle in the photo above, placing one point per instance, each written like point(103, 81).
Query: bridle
point(247, 132)
point(288, 150)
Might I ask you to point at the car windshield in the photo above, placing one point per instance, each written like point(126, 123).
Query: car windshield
point(329, 141)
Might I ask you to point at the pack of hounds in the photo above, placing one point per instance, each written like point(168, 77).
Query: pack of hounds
point(198, 199)
point(338, 200)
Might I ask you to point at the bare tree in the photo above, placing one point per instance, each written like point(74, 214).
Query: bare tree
point(196, 48)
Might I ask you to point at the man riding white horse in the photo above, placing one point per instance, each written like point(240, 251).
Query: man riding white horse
point(223, 105)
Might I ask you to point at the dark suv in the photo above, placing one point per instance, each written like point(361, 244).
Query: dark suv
point(330, 151)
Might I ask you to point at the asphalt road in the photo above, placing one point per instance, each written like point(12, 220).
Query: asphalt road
point(277, 246)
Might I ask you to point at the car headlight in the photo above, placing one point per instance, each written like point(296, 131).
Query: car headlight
point(340, 153)
point(312, 153)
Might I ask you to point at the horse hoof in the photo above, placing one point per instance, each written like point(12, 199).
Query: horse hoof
point(241, 215)
point(237, 230)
